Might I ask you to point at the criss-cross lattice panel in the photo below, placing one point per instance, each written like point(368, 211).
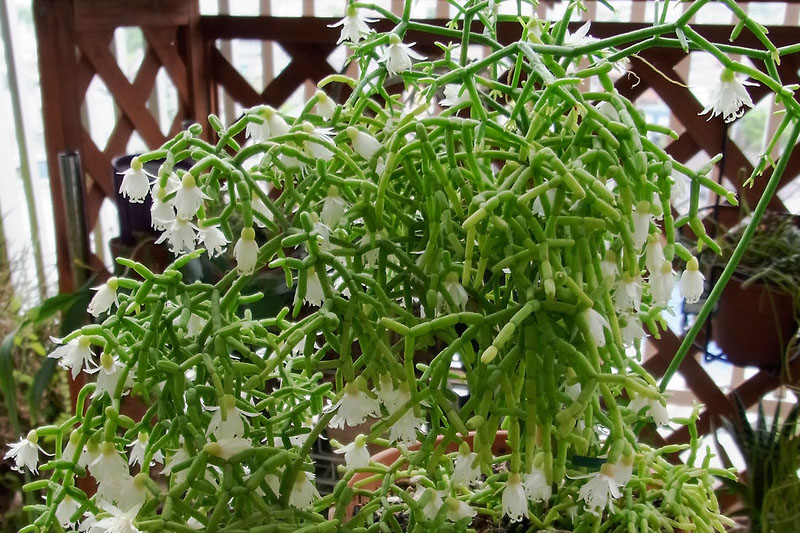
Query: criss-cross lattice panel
point(130, 96)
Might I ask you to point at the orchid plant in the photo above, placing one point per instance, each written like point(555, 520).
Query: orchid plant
point(488, 224)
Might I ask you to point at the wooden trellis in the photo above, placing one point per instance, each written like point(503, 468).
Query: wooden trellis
point(74, 38)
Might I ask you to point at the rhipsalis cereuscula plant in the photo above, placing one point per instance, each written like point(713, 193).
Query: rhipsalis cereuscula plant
point(491, 213)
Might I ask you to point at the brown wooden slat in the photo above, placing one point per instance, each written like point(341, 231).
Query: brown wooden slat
point(96, 164)
point(309, 62)
point(129, 101)
point(93, 15)
point(144, 81)
point(234, 84)
point(162, 41)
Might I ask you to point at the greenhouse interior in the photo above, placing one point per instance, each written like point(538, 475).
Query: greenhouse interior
point(400, 266)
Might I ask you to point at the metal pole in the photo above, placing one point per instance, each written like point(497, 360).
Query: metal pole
point(69, 163)
point(22, 147)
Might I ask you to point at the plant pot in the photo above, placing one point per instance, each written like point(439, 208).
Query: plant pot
point(390, 455)
point(753, 324)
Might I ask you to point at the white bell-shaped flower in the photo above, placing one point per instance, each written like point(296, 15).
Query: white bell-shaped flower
point(354, 26)
point(135, 183)
point(692, 282)
point(628, 293)
point(74, 355)
point(246, 252)
point(139, 447)
point(536, 486)
point(228, 447)
point(180, 236)
point(320, 142)
point(356, 454)
point(228, 426)
point(108, 373)
point(180, 456)
point(388, 394)
point(397, 56)
point(641, 224)
point(573, 391)
point(259, 207)
point(433, 501)
point(109, 466)
point(188, 198)
point(354, 407)
point(661, 284)
point(456, 509)
point(364, 144)
point(326, 107)
point(304, 493)
point(655, 409)
point(580, 37)
point(25, 453)
point(162, 214)
point(314, 294)
point(105, 297)
point(454, 94)
point(514, 501)
point(538, 206)
point(90, 452)
point(728, 96)
point(404, 430)
point(466, 468)
point(275, 125)
point(600, 490)
point(124, 491)
point(609, 268)
point(213, 240)
point(597, 324)
point(333, 208)
point(64, 511)
point(456, 291)
point(631, 330)
point(623, 469)
point(654, 254)
point(119, 521)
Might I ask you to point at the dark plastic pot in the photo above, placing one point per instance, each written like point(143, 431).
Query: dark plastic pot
point(753, 324)
point(135, 218)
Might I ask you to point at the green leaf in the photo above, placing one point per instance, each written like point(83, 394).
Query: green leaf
point(57, 303)
point(40, 383)
point(73, 317)
point(7, 385)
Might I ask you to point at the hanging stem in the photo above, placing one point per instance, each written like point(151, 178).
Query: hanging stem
point(738, 252)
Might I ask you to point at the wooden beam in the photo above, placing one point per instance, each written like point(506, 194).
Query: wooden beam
point(316, 30)
point(91, 15)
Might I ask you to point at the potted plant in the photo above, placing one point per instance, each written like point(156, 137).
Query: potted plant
point(769, 491)
point(757, 313)
point(491, 214)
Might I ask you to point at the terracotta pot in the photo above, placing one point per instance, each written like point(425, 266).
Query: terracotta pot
point(754, 324)
point(390, 455)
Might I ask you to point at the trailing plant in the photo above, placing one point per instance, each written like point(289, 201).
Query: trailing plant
point(491, 212)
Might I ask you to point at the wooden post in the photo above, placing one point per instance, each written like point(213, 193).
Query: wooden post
point(201, 90)
point(55, 37)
